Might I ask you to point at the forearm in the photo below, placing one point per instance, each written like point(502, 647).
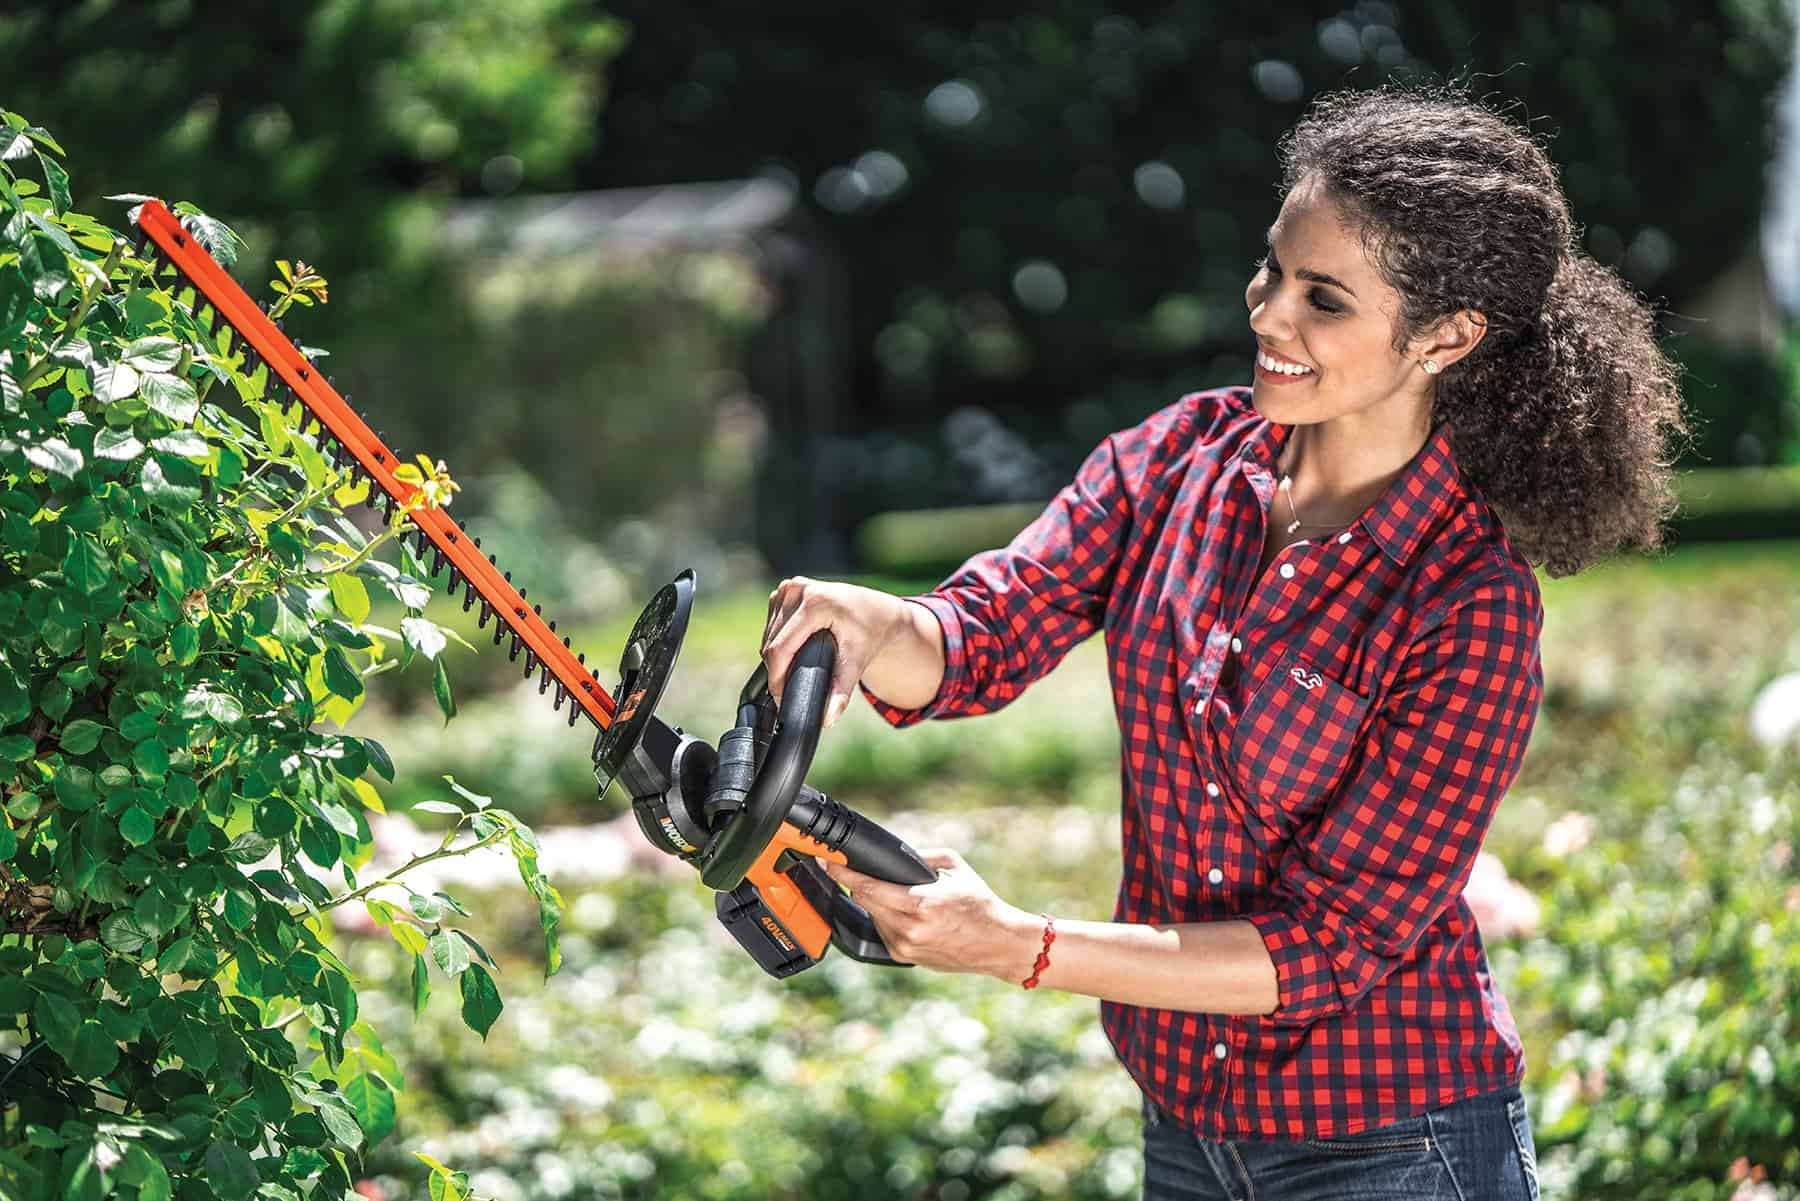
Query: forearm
point(1200, 967)
point(909, 670)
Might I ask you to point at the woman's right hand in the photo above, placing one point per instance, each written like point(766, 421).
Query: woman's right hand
point(862, 620)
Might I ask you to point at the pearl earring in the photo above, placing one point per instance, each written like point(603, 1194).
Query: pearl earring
point(1431, 367)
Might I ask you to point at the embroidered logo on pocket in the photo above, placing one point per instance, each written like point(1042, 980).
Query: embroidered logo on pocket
point(1306, 680)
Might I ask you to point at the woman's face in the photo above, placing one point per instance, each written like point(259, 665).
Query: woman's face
point(1318, 302)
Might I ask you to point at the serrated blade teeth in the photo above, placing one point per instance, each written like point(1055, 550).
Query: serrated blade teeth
point(543, 678)
point(438, 560)
point(487, 611)
point(574, 714)
point(562, 694)
point(512, 653)
point(469, 598)
point(531, 664)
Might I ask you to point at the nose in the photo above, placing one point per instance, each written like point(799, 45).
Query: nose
point(1268, 317)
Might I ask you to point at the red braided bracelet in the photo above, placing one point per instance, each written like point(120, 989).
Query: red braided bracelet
point(1043, 959)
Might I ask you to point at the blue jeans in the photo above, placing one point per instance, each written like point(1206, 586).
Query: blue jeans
point(1478, 1149)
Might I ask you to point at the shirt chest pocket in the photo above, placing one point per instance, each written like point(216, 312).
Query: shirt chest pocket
point(1293, 742)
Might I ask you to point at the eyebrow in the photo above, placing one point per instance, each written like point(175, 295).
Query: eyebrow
point(1316, 277)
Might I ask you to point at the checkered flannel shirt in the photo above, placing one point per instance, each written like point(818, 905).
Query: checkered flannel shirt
point(1318, 751)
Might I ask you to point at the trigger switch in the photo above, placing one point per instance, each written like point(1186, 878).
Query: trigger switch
point(787, 861)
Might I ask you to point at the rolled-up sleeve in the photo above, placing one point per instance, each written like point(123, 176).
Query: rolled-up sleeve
point(1394, 849)
point(1011, 615)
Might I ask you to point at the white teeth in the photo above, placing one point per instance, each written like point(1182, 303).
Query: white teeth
point(1284, 368)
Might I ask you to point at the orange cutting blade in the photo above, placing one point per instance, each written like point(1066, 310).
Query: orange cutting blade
point(352, 438)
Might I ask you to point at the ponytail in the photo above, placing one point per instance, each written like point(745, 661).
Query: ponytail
point(1563, 414)
point(1563, 430)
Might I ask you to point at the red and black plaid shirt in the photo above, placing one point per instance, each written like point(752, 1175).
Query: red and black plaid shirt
point(1319, 751)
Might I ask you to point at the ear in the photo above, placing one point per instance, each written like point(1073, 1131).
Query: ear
point(1451, 338)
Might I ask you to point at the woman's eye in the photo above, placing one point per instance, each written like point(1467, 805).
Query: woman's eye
point(1321, 305)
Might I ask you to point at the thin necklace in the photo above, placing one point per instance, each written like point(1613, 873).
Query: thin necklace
point(1296, 523)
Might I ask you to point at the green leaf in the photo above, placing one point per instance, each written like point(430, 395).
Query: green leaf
point(185, 443)
point(480, 1000)
point(380, 759)
point(423, 635)
point(113, 382)
point(96, 1053)
point(195, 1042)
point(351, 598)
point(248, 847)
point(58, 182)
point(86, 566)
point(137, 726)
point(80, 737)
point(171, 396)
point(337, 1118)
point(220, 240)
point(451, 955)
point(56, 456)
point(122, 931)
point(151, 758)
point(426, 909)
point(58, 1021)
point(137, 827)
point(155, 353)
point(444, 807)
point(372, 1101)
point(16, 748)
point(421, 985)
point(230, 1171)
point(118, 446)
point(340, 677)
point(475, 798)
point(159, 488)
point(440, 688)
point(184, 644)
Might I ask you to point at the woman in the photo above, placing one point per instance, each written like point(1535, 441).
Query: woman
point(1322, 625)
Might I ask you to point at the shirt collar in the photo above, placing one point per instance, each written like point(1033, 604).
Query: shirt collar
point(1413, 506)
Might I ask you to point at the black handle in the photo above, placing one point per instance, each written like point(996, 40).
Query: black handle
point(731, 852)
point(867, 846)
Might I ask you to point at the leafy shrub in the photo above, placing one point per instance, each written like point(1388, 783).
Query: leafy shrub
point(182, 602)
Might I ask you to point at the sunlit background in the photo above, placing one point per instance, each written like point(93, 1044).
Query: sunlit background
point(849, 291)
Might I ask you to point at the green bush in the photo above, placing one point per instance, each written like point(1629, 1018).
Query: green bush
point(183, 603)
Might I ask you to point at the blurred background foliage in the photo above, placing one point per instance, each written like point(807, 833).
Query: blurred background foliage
point(992, 239)
point(675, 284)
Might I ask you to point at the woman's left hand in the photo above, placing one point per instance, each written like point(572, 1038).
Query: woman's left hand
point(954, 924)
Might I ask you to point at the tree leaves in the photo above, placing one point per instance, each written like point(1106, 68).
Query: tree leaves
point(175, 650)
point(171, 396)
point(451, 954)
point(350, 596)
point(440, 688)
point(86, 566)
point(372, 1101)
point(231, 1171)
point(481, 1004)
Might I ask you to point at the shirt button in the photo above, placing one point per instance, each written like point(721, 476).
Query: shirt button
point(1219, 1051)
point(1215, 876)
point(1344, 537)
point(1212, 789)
point(1237, 646)
point(1200, 709)
point(1287, 571)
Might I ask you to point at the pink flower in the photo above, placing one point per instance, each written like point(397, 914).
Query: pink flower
point(1568, 834)
point(1502, 906)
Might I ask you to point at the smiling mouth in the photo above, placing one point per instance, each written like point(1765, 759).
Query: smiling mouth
point(1281, 371)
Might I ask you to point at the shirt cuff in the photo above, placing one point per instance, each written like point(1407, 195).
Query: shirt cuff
point(1306, 984)
point(953, 684)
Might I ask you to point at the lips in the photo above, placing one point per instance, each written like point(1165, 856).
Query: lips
point(1279, 369)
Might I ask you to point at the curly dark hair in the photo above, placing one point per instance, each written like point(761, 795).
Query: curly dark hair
point(1565, 414)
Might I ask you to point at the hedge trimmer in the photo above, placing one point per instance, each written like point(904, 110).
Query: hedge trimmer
point(741, 813)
